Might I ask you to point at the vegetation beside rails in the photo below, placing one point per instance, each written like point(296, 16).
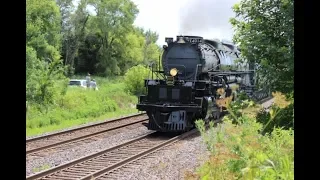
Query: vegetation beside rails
point(251, 143)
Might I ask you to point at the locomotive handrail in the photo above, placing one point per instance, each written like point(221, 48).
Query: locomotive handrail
point(195, 75)
point(214, 67)
point(152, 71)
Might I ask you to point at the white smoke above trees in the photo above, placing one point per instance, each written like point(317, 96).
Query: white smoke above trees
point(207, 18)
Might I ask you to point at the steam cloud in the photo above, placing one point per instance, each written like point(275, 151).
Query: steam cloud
point(207, 18)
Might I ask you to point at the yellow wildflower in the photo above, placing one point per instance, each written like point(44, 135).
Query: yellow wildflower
point(280, 100)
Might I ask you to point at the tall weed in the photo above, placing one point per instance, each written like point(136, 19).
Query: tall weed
point(281, 114)
point(240, 151)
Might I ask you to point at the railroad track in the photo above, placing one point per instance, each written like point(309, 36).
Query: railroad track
point(101, 164)
point(79, 135)
point(98, 164)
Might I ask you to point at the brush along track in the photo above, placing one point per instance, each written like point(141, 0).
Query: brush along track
point(138, 164)
point(80, 134)
point(104, 161)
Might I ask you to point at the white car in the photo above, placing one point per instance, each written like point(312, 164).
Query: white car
point(78, 82)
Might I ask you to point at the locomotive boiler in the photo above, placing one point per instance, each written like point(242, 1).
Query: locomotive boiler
point(198, 78)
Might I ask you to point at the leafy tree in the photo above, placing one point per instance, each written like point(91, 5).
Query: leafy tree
point(151, 51)
point(66, 7)
point(264, 30)
point(87, 59)
point(43, 28)
point(75, 34)
point(132, 53)
point(63, 37)
point(112, 23)
point(43, 64)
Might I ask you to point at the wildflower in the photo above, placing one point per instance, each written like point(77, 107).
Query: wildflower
point(220, 91)
point(280, 100)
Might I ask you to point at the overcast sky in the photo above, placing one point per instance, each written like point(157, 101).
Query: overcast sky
point(207, 18)
point(169, 18)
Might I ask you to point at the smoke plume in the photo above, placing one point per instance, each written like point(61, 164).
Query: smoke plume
point(207, 18)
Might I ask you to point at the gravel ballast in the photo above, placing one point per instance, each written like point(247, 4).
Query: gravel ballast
point(55, 159)
point(171, 162)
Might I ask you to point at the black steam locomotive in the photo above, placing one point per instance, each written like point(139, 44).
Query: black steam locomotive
point(198, 78)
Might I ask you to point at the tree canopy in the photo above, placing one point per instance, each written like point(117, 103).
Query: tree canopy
point(264, 29)
point(66, 37)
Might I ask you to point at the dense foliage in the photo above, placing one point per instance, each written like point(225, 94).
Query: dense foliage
point(264, 29)
point(134, 79)
point(253, 143)
point(240, 152)
point(65, 37)
point(248, 147)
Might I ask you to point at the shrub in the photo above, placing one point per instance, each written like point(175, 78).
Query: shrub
point(45, 82)
point(134, 79)
point(280, 114)
point(240, 152)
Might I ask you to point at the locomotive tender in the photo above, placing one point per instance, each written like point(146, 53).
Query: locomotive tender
point(195, 83)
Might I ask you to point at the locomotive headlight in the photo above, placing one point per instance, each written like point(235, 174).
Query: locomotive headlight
point(173, 72)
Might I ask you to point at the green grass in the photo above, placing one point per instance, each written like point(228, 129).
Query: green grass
point(79, 106)
point(41, 168)
point(240, 152)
